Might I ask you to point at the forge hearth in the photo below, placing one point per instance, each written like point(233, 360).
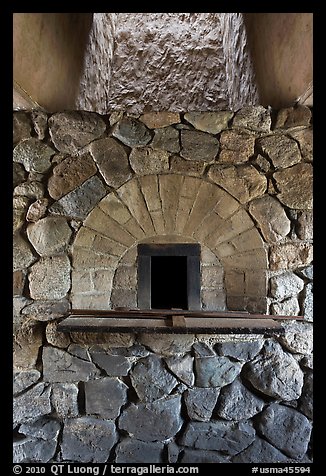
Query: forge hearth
point(169, 276)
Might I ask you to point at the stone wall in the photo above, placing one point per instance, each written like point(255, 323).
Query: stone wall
point(87, 190)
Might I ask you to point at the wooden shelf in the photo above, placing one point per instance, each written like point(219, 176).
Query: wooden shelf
point(173, 322)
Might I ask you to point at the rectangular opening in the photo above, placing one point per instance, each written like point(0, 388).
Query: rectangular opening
point(169, 282)
point(169, 276)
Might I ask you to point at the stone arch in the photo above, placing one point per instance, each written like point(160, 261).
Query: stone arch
point(173, 207)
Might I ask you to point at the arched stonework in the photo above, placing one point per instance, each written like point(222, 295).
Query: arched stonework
point(171, 207)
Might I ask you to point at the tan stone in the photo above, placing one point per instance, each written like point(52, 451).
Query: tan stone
point(255, 118)
point(255, 283)
point(131, 195)
point(27, 343)
point(134, 229)
point(290, 255)
point(20, 205)
point(212, 122)
point(97, 220)
point(237, 147)
point(208, 228)
point(207, 198)
point(87, 259)
point(90, 301)
point(182, 166)
point(69, 174)
point(124, 298)
point(296, 186)
point(18, 282)
point(56, 338)
point(49, 278)
point(85, 237)
point(213, 299)
point(102, 280)
point(150, 191)
point(230, 228)
point(248, 240)
point(155, 120)
point(158, 221)
point(244, 182)
point(226, 206)
point(166, 344)
point(37, 210)
point(251, 304)
point(208, 257)
point(112, 206)
point(49, 235)
point(21, 126)
point(146, 161)
point(31, 189)
point(23, 255)
point(305, 139)
point(183, 212)
point(107, 246)
point(112, 161)
point(211, 277)
point(251, 259)
point(293, 117)
point(271, 217)
point(81, 281)
point(282, 150)
point(110, 340)
point(170, 187)
point(235, 282)
point(190, 187)
point(305, 226)
point(125, 277)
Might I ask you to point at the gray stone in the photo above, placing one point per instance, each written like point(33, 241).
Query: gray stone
point(307, 362)
point(236, 402)
point(201, 456)
point(215, 371)
point(295, 186)
point(70, 131)
point(34, 155)
point(130, 450)
point(260, 452)
point(166, 344)
point(79, 351)
point(271, 218)
point(21, 126)
point(285, 285)
point(55, 338)
point(293, 117)
point(60, 366)
point(228, 437)
point(69, 174)
point(286, 429)
point(27, 342)
point(20, 205)
point(306, 400)
point(201, 349)
point(112, 161)
point(78, 203)
point(304, 229)
point(19, 174)
point(308, 303)
point(275, 373)
point(31, 405)
point(242, 351)
point(114, 365)
point(243, 182)
point(49, 278)
point(298, 337)
point(198, 146)
point(288, 307)
point(88, 440)
point(155, 120)
point(43, 429)
point(104, 397)
point(49, 235)
point(19, 303)
point(145, 161)
point(136, 350)
point(37, 210)
point(200, 402)
point(132, 132)
point(290, 255)
point(236, 147)
point(64, 399)
point(40, 123)
point(212, 122)
point(255, 118)
point(282, 150)
point(47, 310)
point(30, 189)
point(31, 450)
point(23, 255)
point(25, 379)
point(182, 368)
point(304, 137)
point(166, 139)
point(150, 379)
point(156, 421)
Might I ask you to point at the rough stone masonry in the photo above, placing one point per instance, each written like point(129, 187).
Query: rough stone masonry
point(87, 189)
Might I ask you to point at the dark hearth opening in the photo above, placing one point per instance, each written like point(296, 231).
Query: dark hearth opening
point(169, 276)
point(169, 282)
